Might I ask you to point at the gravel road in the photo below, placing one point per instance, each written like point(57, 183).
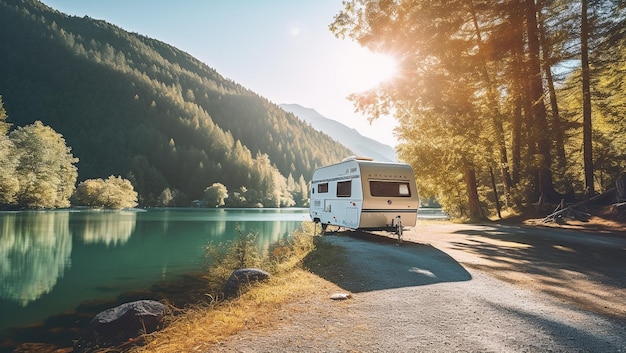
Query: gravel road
point(460, 288)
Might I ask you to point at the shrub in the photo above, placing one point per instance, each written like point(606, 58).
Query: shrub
point(113, 192)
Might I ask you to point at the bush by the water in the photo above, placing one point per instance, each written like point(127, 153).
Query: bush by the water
point(243, 252)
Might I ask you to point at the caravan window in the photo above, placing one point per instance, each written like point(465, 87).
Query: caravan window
point(344, 188)
point(390, 188)
point(322, 188)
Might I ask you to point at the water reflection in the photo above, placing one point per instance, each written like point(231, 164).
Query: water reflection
point(35, 249)
point(52, 261)
point(268, 233)
point(110, 228)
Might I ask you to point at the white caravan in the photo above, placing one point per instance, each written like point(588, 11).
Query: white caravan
point(360, 193)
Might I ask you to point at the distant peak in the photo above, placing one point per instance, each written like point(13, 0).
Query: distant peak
point(343, 134)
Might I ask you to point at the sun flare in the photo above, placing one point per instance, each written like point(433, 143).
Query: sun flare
point(294, 31)
point(384, 67)
point(366, 69)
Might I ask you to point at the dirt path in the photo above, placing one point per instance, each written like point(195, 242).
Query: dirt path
point(453, 288)
point(586, 269)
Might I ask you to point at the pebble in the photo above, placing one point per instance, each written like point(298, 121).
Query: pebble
point(340, 296)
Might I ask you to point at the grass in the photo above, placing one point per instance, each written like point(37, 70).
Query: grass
point(203, 325)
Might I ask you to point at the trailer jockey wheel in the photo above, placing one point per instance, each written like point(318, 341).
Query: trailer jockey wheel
point(324, 225)
point(398, 224)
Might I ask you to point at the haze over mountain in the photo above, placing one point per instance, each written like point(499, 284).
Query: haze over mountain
point(134, 106)
point(349, 137)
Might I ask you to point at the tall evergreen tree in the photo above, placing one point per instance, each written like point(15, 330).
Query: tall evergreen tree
point(586, 93)
point(437, 86)
point(470, 91)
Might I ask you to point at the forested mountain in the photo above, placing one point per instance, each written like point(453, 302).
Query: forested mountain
point(136, 107)
point(349, 137)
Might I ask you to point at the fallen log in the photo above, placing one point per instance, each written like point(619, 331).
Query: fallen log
point(561, 209)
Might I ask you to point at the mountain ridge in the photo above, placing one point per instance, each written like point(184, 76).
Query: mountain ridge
point(349, 137)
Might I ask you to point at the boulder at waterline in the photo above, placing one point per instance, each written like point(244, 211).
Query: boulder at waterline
point(242, 277)
point(118, 325)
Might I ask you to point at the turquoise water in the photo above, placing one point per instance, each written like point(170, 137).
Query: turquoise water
point(51, 261)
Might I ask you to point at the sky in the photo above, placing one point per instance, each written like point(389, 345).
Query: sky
point(280, 49)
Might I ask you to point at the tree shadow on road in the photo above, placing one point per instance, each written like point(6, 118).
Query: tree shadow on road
point(543, 251)
point(586, 269)
point(581, 336)
point(361, 262)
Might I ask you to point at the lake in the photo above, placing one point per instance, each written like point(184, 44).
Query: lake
point(52, 261)
point(60, 265)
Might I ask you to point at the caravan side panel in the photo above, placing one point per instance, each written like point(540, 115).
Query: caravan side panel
point(336, 195)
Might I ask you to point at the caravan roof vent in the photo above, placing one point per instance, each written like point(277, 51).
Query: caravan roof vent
point(358, 158)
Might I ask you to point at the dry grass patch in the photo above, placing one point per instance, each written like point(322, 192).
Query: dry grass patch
point(203, 326)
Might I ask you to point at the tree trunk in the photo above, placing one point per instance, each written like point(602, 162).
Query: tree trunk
point(557, 126)
point(469, 176)
point(494, 105)
point(584, 51)
point(540, 121)
point(518, 85)
point(495, 192)
point(516, 141)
